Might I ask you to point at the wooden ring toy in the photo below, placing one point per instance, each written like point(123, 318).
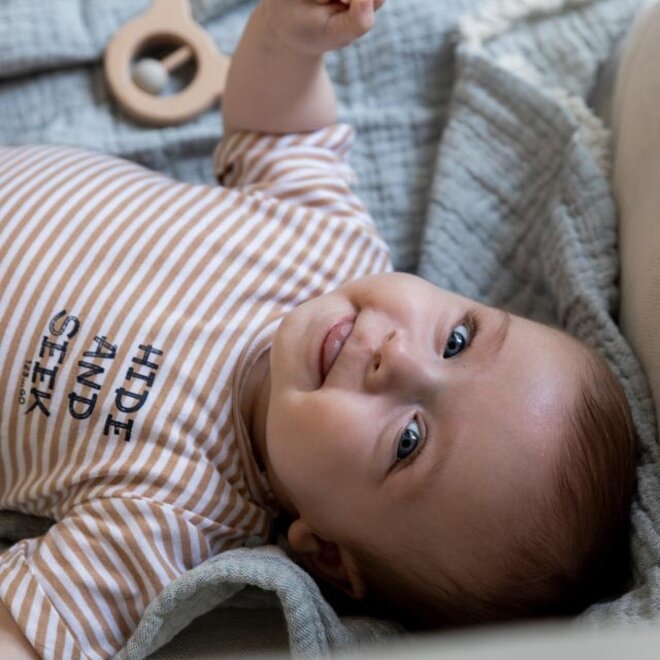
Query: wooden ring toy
point(165, 23)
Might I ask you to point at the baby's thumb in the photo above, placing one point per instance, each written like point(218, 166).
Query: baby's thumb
point(361, 16)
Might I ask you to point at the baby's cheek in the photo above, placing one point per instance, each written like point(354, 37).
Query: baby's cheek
point(290, 440)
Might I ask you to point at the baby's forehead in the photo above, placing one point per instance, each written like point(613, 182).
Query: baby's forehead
point(550, 362)
point(551, 333)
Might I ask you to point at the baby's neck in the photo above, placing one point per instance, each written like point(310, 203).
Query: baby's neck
point(254, 407)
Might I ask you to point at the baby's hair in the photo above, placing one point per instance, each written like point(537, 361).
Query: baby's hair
point(576, 551)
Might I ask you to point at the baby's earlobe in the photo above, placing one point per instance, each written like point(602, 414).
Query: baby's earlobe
point(302, 538)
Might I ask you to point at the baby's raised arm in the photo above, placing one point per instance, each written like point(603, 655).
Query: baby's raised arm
point(277, 82)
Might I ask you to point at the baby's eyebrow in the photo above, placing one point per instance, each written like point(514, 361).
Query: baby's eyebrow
point(501, 331)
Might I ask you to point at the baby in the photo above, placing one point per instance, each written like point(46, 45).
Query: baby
point(184, 366)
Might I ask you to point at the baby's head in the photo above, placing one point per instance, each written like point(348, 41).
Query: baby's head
point(454, 461)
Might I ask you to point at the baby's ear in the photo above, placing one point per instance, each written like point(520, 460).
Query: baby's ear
point(327, 560)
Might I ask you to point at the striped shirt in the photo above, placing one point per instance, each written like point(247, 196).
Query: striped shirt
point(132, 307)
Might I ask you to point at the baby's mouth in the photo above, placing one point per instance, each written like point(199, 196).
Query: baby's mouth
point(333, 343)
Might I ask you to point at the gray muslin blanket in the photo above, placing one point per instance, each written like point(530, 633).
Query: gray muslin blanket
point(484, 167)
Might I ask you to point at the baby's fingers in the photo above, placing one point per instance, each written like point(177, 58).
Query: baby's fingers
point(360, 16)
point(348, 20)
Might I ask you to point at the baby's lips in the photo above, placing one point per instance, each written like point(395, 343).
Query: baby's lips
point(334, 342)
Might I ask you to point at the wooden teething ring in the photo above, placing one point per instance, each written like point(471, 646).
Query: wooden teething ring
point(167, 22)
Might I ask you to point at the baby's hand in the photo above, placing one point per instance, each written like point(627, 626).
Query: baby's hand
point(313, 27)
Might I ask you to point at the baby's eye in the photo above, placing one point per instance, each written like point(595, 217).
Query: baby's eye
point(408, 440)
point(457, 341)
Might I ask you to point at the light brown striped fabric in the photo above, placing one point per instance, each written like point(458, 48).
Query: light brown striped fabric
point(131, 308)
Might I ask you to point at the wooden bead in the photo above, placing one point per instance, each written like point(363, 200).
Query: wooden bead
point(150, 75)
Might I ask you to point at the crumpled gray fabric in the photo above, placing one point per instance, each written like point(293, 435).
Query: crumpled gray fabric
point(314, 628)
point(483, 166)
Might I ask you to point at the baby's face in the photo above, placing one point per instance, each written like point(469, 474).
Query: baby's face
point(435, 427)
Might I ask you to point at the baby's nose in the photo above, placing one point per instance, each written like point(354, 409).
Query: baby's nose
point(399, 363)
